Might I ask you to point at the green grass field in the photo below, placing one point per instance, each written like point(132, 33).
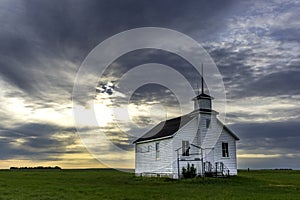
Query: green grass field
point(111, 184)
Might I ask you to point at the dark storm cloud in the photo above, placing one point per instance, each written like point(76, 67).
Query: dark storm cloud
point(80, 23)
point(43, 43)
point(258, 53)
point(8, 151)
point(35, 129)
point(142, 56)
point(288, 29)
point(232, 64)
point(68, 30)
point(286, 34)
point(243, 80)
point(269, 137)
point(274, 84)
point(71, 22)
point(150, 93)
point(35, 140)
point(284, 114)
point(142, 120)
point(283, 162)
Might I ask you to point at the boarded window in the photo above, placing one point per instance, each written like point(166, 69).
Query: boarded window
point(185, 148)
point(225, 152)
point(207, 123)
point(157, 151)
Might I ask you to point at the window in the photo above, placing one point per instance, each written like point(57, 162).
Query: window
point(207, 123)
point(185, 148)
point(225, 152)
point(157, 151)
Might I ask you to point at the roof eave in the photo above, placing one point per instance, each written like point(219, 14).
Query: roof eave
point(154, 139)
point(229, 131)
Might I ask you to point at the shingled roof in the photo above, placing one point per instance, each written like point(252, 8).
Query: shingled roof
point(166, 128)
point(169, 127)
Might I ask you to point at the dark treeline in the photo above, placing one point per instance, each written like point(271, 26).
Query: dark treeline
point(279, 169)
point(38, 167)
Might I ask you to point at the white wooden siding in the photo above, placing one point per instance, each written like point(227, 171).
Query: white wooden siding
point(230, 162)
point(146, 162)
point(210, 139)
point(186, 133)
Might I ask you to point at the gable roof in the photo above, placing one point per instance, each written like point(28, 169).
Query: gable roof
point(169, 127)
point(166, 128)
point(228, 130)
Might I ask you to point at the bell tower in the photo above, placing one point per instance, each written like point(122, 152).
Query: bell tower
point(203, 102)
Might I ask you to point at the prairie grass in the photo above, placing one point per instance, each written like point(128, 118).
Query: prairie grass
point(112, 184)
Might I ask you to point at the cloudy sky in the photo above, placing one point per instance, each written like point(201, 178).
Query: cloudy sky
point(255, 45)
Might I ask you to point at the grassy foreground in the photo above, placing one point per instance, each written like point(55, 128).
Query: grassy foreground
point(111, 184)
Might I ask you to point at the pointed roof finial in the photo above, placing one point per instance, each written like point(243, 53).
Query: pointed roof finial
point(198, 90)
point(202, 81)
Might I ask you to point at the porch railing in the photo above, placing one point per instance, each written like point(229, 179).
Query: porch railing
point(219, 169)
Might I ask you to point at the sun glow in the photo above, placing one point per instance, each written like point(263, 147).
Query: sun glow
point(104, 114)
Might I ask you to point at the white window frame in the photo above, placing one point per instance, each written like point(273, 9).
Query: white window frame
point(225, 151)
point(185, 148)
point(157, 151)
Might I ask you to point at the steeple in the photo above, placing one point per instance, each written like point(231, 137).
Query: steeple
point(202, 80)
point(203, 101)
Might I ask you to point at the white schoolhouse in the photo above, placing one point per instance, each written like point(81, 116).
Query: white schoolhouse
point(198, 138)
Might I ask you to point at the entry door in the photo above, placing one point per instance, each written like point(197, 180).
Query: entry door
point(209, 155)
